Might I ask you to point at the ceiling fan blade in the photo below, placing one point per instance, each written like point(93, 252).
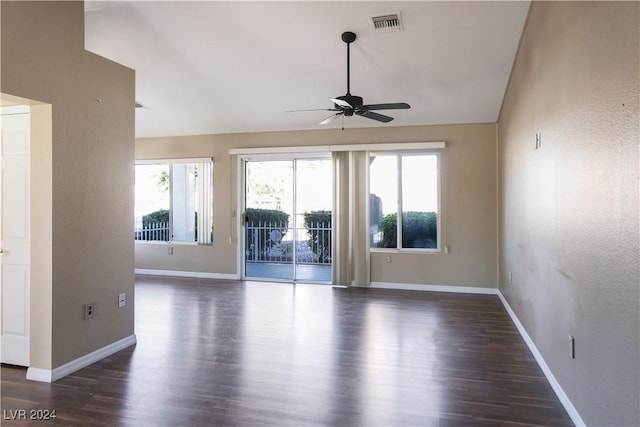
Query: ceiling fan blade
point(341, 103)
point(330, 118)
point(375, 116)
point(390, 106)
point(315, 109)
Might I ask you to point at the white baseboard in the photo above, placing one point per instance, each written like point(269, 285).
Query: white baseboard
point(435, 288)
point(37, 374)
point(191, 274)
point(49, 376)
point(562, 396)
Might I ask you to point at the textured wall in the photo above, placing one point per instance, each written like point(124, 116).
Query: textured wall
point(91, 171)
point(469, 202)
point(569, 210)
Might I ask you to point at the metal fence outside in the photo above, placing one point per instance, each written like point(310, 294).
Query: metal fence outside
point(273, 242)
point(153, 231)
point(267, 241)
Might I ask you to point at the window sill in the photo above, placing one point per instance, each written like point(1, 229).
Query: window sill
point(405, 251)
point(163, 243)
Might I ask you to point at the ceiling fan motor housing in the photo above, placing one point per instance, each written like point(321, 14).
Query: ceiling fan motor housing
point(353, 100)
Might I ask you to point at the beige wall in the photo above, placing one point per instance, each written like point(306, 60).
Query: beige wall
point(89, 168)
point(569, 210)
point(41, 339)
point(469, 202)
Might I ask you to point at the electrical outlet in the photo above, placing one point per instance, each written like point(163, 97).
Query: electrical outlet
point(572, 347)
point(389, 258)
point(89, 311)
point(170, 250)
point(122, 300)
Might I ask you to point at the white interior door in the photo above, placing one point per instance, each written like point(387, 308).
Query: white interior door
point(14, 234)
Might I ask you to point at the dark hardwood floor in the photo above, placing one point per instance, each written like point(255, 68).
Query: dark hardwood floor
point(222, 353)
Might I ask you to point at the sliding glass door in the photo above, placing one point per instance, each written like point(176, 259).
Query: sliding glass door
point(287, 219)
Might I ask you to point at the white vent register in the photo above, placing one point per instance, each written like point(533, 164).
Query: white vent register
point(387, 22)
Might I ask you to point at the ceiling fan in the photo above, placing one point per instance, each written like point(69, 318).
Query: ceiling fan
point(348, 105)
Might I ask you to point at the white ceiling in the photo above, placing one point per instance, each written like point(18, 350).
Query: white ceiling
point(235, 66)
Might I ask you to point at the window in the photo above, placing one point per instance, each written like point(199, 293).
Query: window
point(404, 187)
point(173, 201)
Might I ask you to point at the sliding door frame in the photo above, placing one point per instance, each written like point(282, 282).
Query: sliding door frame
point(242, 161)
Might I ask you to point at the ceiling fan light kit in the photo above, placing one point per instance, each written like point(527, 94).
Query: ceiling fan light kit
point(347, 105)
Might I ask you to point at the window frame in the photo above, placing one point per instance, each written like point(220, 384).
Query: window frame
point(438, 154)
point(171, 162)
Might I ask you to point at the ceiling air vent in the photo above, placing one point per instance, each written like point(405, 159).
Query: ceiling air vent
point(386, 22)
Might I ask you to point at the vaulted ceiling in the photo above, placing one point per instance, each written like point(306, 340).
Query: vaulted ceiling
point(207, 67)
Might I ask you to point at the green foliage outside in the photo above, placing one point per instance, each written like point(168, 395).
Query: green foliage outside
point(269, 217)
point(318, 223)
point(164, 180)
point(419, 230)
point(158, 216)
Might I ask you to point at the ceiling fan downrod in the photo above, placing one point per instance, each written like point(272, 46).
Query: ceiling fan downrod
point(348, 37)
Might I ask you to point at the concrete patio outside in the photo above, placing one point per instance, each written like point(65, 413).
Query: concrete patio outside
point(284, 271)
